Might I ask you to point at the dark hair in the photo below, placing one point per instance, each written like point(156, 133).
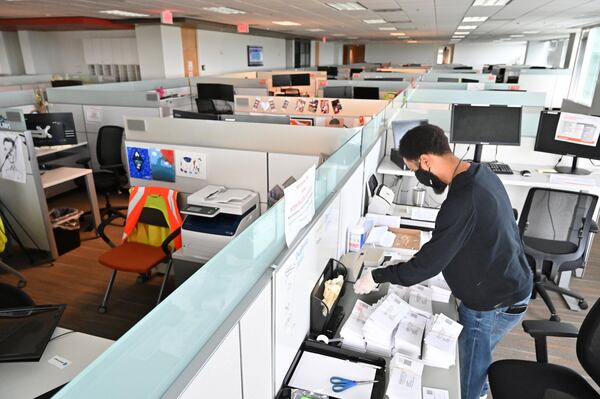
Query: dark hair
point(424, 139)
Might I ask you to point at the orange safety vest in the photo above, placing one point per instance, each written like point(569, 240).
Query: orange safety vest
point(160, 198)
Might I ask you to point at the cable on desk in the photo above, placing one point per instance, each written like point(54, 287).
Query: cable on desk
point(559, 160)
point(62, 335)
point(592, 162)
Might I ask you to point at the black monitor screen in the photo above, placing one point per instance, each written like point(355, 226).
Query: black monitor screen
point(194, 115)
point(366, 93)
point(282, 80)
point(322, 68)
point(401, 127)
point(448, 80)
point(465, 80)
point(337, 92)
point(300, 79)
point(332, 71)
point(56, 128)
point(66, 83)
point(215, 91)
point(494, 124)
point(545, 139)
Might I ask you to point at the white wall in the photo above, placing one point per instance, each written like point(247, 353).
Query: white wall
point(59, 52)
point(172, 51)
point(401, 53)
point(221, 52)
point(11, 59)
point(477, 54)
point(327, 53)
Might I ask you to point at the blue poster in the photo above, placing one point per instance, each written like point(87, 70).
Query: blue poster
point(162, 164)
point(139, 163)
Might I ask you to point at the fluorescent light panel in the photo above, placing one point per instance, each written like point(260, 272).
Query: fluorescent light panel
point(490, 3)
point(316, 30)
point(474, 19)
point(348, 6)
point(531, 32)
point(398, 34)
point(387, 28)
point(466, 27)
point(374, 21)
point(286, 23)
point(121, 13)
point(517, 35)
point(338, 34)
point(224, 10)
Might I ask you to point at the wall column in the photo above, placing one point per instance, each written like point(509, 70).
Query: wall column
point(160, 51)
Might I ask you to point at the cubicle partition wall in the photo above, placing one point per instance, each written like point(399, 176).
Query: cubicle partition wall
point(24, 82)
point(316, 80)
point(382, 76)
point(234, 327)
point(23, 100)
point(437, 76)
point(554, 82)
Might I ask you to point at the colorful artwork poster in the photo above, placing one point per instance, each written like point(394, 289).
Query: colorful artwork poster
point(139, 163)
point(325, 106)
point(300, 103)
point(162, 164)
point(337, 106)
point(313, 105)
point(190, 164)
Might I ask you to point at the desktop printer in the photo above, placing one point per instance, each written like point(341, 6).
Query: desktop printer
point(380, 196)
point(213, 217)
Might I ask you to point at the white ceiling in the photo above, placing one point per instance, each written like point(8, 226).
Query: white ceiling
point(422, 20)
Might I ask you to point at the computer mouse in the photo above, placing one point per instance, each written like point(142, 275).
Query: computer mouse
point(526, 173)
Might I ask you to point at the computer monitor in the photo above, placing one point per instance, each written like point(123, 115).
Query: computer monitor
point(332, 72)
point(56, 128)
point(66, 83)
point(355, 70)
point(273, 119)
point(322, 68)
point(399, 129)
point(448, 80)
point(479, 125)
point(300, 79)
point(194, 115)
point(366, 93)
point(466, 80)
point(512, 79)
point(546, 142)
point(463, 68)
point(215, 91)
point(282, 80)
point(337, 92)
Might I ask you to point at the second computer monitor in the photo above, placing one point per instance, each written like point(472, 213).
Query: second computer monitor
point(337, 92)
point(300, 79)
point(56, 128)
point(366, 93)
point(215, 91)
point(399, 128)
point(281, 80)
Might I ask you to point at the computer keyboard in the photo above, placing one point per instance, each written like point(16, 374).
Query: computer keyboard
point(499, 168)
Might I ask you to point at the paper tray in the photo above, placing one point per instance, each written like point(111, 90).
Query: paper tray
point(320, 314)
point(379, 387)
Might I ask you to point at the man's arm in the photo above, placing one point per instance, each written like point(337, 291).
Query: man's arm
point(454, 225)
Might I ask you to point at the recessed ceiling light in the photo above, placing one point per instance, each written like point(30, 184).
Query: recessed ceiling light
point(349, 6)
point(387, 28)
point(374, 21)
point(398, 34)
point(531, 32)
point(517, 35)
point(474, 19)
point(224, 10)
point(412, 41)
point(124, 13)
point(461, 33)
point(338, 34)
point(466, 27)
point(353, 37)
point(491, 3)
point(316, 30)
point(286, 23)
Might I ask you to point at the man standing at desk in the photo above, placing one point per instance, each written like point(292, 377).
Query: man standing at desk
point(475, 244)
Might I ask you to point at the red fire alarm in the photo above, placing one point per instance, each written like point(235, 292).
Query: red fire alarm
point(324, 39)
point(243, 28)
point(166, 17)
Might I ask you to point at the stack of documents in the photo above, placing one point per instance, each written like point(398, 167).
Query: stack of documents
point(420, 299)
point(409, 335)
point(440, 290)
point(405, 378)
point(352, 330)
point(402, 292)
point(381, 237)
point(441, 337)
point(381, 324)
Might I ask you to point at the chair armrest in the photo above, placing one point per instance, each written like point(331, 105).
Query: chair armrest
point(554, 394)
point(167, 241)
point(594, 227)
point(103, 225)
point(84, 161)
point(550, 329)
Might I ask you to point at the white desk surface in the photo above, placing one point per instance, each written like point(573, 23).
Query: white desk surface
point(41, 151)
point(387, 167)
point(54, 177)
point(31, 379)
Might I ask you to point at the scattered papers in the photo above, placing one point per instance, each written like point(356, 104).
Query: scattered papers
point(433, 393)
point(384, 220)
point(379, 327)
point(441, 337)
point(405, 378)
point(420, 300)
point(440, 290)
point(352, 330)
point(380, 236)
point(409, 335)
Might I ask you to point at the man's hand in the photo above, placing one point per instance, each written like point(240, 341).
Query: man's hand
point(365, 283)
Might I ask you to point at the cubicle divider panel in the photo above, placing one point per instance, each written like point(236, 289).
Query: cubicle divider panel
point(517, 98)
point(17, 98)
point(433, 76)
point(351, 206)
point(223, 167)
point(117, 98)
point(284, 166)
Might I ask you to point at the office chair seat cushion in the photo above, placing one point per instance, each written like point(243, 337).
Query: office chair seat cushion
point(133, 257)
point(13, 297)
point(511, 379)
point(550, 246)
point(104, 182)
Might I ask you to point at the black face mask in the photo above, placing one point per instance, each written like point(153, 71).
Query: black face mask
point(428, 179)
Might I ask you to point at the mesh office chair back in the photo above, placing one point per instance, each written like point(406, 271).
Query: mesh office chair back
point(557, 222)
point(588, 343)
point(109, 144)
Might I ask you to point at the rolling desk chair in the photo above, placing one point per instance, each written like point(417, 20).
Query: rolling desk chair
point(144, 248)
point(110, 179)
point(555, 226)
point(541, 380)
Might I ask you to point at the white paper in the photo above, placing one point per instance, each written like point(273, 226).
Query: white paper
point(384, 220)
point(475, 86)
point(444, 333)
point(190, 164)
point(59, 362)
point(405, 378)
point(299, 204)
point(12, 161)
point(433, 393)
point(427, 214)
point(376, 234)
point(314, 371)
point(578, 129)
point(93, 114)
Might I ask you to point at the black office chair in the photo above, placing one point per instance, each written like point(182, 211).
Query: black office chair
point(555, 226)
point(111, 178)
point(11, 296)
point(511, 379)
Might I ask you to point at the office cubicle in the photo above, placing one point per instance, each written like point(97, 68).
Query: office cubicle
point(23, 100)
point(24, 82)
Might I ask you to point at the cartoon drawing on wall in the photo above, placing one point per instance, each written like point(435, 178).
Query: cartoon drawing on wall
point(12, 162)
point(139, 163)
point(190, 164)
point(162, 164)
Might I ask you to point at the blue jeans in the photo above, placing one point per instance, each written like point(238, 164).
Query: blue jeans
point(482, 330)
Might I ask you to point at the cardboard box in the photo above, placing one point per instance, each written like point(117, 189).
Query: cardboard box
point(406, 238)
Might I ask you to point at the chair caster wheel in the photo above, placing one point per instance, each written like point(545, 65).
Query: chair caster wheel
point(22, 284)
point(102, 309)
point(554, 318)
point(583, 305)
point(142, 278)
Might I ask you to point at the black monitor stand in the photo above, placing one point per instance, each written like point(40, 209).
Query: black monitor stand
point(478, 151)
point(573, 169)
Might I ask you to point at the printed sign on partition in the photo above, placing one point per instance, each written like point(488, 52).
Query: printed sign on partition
point(162, 164)
point(578, 129)
point(299, 204)
point(12, 161)
point(190, 164)
point(139, 163)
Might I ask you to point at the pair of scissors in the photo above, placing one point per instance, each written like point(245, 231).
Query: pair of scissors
point(340, 384)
